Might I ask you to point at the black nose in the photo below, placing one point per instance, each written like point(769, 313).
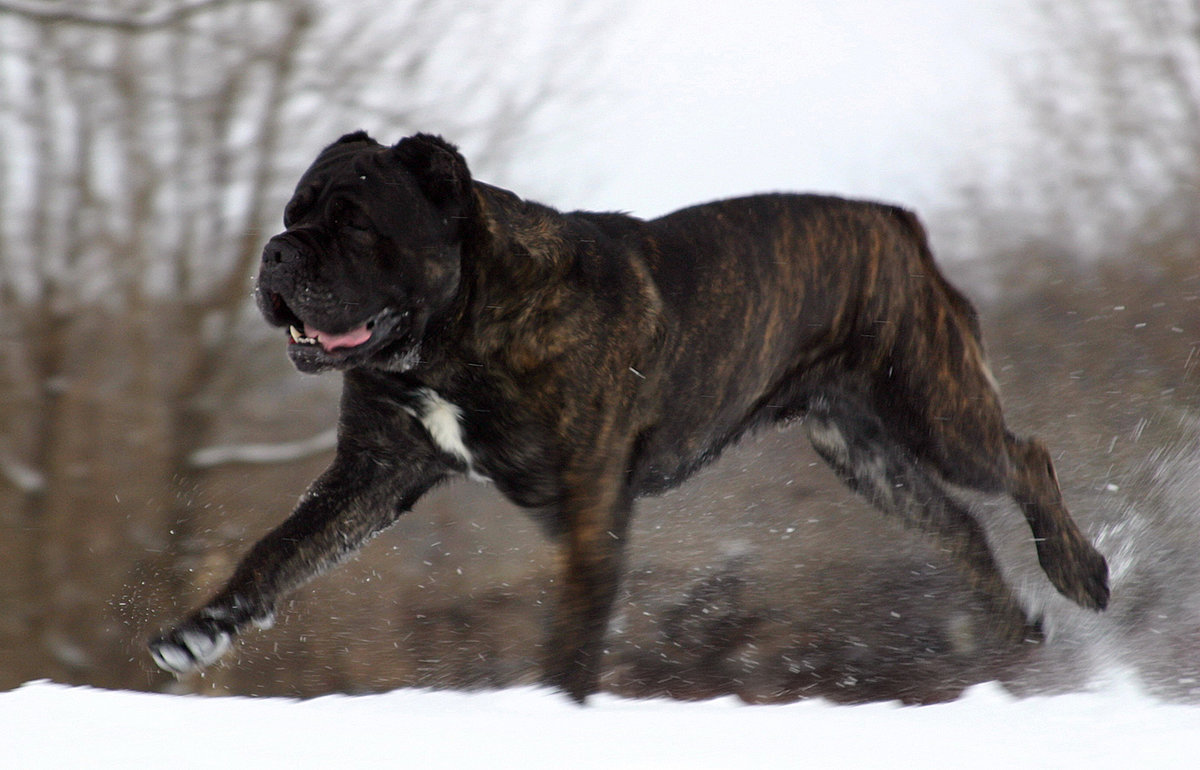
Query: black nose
point(281, 262)
point(278, 252)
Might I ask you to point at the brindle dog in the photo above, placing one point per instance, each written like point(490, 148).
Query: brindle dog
point(579, 361)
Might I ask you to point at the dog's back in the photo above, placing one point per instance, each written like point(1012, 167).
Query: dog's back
point(767, 298)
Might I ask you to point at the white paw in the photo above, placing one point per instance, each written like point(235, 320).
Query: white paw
point(189, 649)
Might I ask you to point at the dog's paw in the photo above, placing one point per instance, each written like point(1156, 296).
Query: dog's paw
point(1077, 570)
point(193, 645)
point(1093, 592)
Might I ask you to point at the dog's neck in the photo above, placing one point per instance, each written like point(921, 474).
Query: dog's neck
point(524, 240)
point(512, 261)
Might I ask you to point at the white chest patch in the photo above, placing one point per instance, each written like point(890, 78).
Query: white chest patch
point(443, 420)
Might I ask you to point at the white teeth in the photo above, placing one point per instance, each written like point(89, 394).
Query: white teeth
point(299, 337)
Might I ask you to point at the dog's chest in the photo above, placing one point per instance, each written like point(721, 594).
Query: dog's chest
point(443, 420)
point(496, 444)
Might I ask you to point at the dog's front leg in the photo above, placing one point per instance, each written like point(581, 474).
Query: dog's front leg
point(596, 512)
point(363, 492)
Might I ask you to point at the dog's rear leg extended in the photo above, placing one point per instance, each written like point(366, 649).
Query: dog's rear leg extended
point(856, 445)
point(1075, 568)
point(596, 516)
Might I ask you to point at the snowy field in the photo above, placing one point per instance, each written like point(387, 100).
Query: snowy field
point(1113, 725)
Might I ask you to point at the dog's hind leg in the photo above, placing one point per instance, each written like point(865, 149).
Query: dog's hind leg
point(1075, 568)
point(956, 428)
point(855, 443)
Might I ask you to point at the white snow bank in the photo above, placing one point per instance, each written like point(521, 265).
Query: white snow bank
point(49, 725)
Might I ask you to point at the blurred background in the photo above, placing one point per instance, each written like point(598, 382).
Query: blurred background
point(151, 427)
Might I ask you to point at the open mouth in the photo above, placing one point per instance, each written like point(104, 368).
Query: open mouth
point(307, 335)
point(313, 349)
point(330, 342)
point(308, 342)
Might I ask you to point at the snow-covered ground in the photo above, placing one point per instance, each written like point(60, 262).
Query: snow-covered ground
point(1113, 725)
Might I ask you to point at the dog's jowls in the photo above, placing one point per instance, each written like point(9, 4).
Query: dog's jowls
point(578, 361)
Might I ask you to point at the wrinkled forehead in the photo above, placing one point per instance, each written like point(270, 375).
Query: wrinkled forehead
point(340, 163)
point(364, 174)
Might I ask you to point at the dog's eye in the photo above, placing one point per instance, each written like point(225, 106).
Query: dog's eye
point(347, 216)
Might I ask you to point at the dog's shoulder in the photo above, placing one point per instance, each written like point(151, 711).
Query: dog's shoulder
point(548, 284)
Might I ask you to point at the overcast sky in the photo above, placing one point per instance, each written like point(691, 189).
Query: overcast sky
point(874, 98)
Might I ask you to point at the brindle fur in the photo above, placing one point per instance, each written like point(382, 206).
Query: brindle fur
point(595, 358)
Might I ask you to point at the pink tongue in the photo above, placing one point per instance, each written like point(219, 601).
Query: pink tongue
point(331, 342)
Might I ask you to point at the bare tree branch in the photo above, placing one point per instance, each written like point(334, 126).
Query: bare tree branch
point(232, 293)
point(146, 21)
point(264, 454)
point(20, 475)
point(1112, 99)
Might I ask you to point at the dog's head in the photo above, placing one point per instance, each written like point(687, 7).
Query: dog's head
point(370, 254)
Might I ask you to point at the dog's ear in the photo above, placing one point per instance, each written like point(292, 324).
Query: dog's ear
point(357, 136)
point(439, 169)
